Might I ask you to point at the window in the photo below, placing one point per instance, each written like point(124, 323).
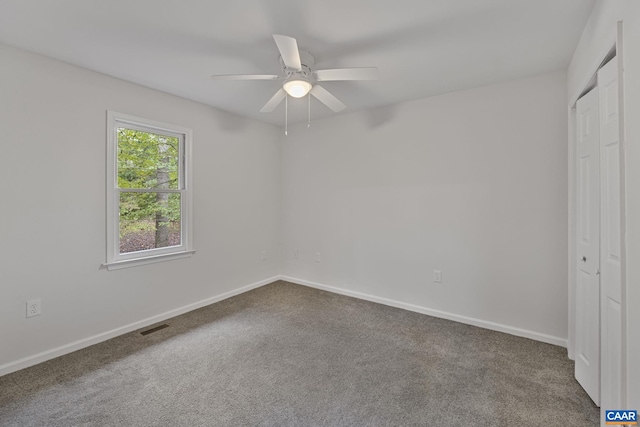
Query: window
point(148, 191)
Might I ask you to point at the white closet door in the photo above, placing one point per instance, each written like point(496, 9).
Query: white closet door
point(610, 252)
point(587, 367)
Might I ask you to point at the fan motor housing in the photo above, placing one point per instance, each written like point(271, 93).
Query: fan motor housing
point(307, 61)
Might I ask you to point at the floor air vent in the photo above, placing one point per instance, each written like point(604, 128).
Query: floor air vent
point(156, 329)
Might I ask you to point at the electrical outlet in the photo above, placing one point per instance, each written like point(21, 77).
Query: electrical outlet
point(296, 254)
point(264, 255)
point(437, 276)
point(316, 257)
point(34, 307)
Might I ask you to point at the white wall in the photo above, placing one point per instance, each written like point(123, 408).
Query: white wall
point(595, 41)
point(52, 210)
point(472, 183)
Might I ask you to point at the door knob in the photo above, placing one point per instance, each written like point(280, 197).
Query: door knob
point(584, 259)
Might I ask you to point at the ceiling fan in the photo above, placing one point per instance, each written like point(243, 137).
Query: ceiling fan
point(299, 78)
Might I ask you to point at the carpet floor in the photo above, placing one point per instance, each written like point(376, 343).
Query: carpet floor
point(288, 355)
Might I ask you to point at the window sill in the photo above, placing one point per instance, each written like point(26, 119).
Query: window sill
point(117, 265)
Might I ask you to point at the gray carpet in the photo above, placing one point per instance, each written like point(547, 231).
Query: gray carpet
point(287, 355)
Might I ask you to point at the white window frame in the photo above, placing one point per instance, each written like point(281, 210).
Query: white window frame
point(116, 260)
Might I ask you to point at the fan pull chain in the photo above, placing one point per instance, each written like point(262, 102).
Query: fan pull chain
point(286, 114)
point(309, 111)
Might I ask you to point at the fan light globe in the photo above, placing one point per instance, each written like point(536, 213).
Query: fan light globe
point(297, 88)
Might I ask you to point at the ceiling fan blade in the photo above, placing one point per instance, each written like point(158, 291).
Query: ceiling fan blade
point(366, 73)
point(327, 98)
point(244, 77)
point(274, 101)
point(288, 47)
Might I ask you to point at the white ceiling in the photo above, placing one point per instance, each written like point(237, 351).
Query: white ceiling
point(421, 47)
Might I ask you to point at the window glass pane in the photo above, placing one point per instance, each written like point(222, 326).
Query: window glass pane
point(149, 220)
point(147, 160)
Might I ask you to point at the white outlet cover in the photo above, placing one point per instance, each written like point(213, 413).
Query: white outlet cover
point(34, 307)
point(437, 276)
point(317, 257)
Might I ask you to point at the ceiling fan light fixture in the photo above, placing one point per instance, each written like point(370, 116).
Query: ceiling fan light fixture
point(297, 88)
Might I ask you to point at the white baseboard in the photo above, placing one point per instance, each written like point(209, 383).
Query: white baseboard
point(549, 339)
point(25, 362)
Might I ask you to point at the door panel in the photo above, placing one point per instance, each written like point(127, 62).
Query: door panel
point(611, 355)
point(587, 368)
point(611, 268)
